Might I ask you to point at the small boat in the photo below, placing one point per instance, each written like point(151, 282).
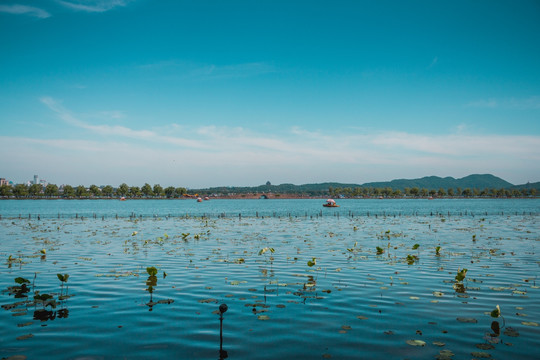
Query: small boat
point(122, 199)
point(330, 203)
point(206, 198)
point(199, 200)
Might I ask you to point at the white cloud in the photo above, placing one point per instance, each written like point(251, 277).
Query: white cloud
point(25, 10)
point(220, 155)
point(93, 5)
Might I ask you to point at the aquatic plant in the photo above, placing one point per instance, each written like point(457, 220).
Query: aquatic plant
point(458, 285)
point(496, 313)
point(264, 250)
point(411, 259)
point(461, 275)
point(415, 246)
point(438, 251)
point(151, 270)
point(380, 250)
point(63, 279)
point(45, 299)
point(20, 291)
point(353, 249)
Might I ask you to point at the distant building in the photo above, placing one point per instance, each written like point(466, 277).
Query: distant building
point(36, 179)
point(3, 182)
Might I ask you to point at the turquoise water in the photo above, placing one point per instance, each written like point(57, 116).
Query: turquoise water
point(231, 208)
point(352, 303)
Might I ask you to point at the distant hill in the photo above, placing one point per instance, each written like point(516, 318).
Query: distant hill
point(475, 181)
point(434, 183)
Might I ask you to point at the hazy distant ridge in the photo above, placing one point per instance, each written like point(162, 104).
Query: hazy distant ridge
point(434, 182)
point(475, 181)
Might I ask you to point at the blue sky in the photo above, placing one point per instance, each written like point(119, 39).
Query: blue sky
point(224, 93)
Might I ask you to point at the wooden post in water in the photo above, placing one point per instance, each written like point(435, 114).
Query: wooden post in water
point(222, 309)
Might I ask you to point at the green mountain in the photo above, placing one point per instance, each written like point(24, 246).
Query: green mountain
point(434, 183)
point(475, 181)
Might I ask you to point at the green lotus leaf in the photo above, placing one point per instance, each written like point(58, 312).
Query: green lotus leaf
point(416, 342)
point(152, 271)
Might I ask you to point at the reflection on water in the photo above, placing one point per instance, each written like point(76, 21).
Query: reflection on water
point(390, 287)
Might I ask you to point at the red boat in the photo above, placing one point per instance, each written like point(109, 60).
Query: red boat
point(330, 203)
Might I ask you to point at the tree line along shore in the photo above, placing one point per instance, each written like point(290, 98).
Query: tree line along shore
point(52, 191)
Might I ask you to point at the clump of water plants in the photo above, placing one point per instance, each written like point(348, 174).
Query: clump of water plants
point(45, 300)
point(380, 250)
point(460, 276)
point(438, 251)
point(312, 262)
point(63, 279)
point(411, 259)
point(265, 249)
point(496, 313)
point(151, 282)
point(22, 290)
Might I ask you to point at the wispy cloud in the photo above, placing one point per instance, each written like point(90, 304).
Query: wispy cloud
point(199, 156)
point(116, 130)
point(24, 10)
point(93, 5)
point(531, 102)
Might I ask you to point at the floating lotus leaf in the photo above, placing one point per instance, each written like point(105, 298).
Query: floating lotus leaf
point(165, 301)
point(416, 342)
point(24, 337)
point(467, 320)
point(529, 323)
point(444, 355)
point(511, 332)
point(346, 327)
point(414, 298)
point(439, 343)
point(206, 301)
point(478, 354)
point(361, 317)
point(438, 293)
point(263, 317)
point(237, 282)
point(485, 346)
point(496, 312)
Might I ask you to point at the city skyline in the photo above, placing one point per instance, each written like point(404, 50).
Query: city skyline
point(239, 93)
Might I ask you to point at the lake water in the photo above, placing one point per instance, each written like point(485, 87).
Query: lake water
point(351, 303)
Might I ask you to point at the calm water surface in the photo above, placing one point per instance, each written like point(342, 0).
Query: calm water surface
point(352, 303)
